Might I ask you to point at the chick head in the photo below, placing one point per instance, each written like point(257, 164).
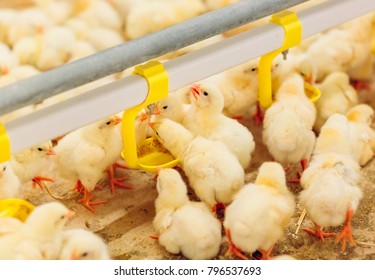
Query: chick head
point(3, 168)
point(361, 113)
point(308, 69)
point(49, 217)
point(271, 174)
point(170, 107)
point(44, 149)
point(110, 122)
point(80, 244)
point(208, 97)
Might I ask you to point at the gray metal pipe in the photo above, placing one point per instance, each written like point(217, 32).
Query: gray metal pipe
point(118, 58)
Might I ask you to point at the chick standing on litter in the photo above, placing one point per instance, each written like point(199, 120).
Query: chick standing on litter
point(9, 182)
point(32, 164)
point(361, 134)
point(205, 118)
point(287, 128)
point(337, 96)
point(181, 225)
point(259, 213)
point(84, 155)
point(331, 193)
point(40, 237)
point(213, 171)
point(80, 244)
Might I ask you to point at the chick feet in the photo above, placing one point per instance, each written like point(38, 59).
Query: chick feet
point(319, 232)
point(346, 232)
point(266, 254)
point(232, 248)
point(116, 182)
point(87, 198)
point(38, 181)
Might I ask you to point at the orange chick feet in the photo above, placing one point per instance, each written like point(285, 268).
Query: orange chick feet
point(116, 182)
point(232, 248)
point(38, 181)
point(87, 198)
point(346, 232)
point(319, 232)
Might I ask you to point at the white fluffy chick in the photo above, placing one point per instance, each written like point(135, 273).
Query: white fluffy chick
point(57, 10)
point(183, 226)
point(28, 22)
point(9, 182)
point(172, 108)
point(260, 212)
point(205, 118)
point(361, 134)
point(79, 49)
point(84, 155)
point(80, 244)
point(40, 236)
point(102, 38)
point(23, 72)
point(287, 128)
point(301, 64)
point(346, 48)
point(337, 96)
point(213, 171)
point(56, 42)
point(78, 26)
point(32, 164)
point(99, 13)
point(160, 14)
point(331, 193)
point(7, 16)
point(8, 59)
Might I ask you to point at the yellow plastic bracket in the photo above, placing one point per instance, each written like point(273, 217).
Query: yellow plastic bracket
point(15, 208)
point(149, 155)
point(293, 37)
point(5, 151)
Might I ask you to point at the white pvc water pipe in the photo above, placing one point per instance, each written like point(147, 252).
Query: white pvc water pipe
point(130, 91)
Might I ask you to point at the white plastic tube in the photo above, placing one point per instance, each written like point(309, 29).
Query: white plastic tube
point(128, 92)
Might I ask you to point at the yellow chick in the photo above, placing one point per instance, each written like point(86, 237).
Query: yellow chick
point(8, 59)
point(331, 193)
point(80, 244)
point(9, 182)
point(171, 108)
point(84, 155)
point(260, 212)
point(102, 38)
point(213, 171)
point(40, 237)
point(7, 16)
point(361, 134)
point(183, 226)
point(337, 96)
point(205, 118)
point(287, 127)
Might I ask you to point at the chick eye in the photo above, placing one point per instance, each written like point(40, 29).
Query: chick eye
point(108, 123)
point(4, 168)
point(40, 149)
point(85, 254)
point(277, 65)
point(205, 93)
point(165, 107)
point(157, 133)
point(253, 69)
point(303, 75)
point(62, 217)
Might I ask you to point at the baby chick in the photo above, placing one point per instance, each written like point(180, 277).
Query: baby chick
point(361, 134)
point(31, 165)
point(80, 244)
point(337, 96)
point(181, 225)
point(84, 155)
point(260, 212)
point(171, 108)
point(205, 118)
point(8, 59)
point(40, 236)
point(287, 128)
point(9, 182)
point(213, 171)
point(331, 193)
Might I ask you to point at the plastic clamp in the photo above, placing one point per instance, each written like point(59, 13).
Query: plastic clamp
point(5, 151)
point(149, 156)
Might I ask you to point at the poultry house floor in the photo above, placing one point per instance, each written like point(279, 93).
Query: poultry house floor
point(125, 222)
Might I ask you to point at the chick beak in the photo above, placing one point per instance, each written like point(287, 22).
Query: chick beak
point(74, 256)
point(309, 79)
point(4, 71)
point(1, 174)
point(39, 29)
point(51, 152)
point(195, 90)
point(116, 121)
point(157, 110)
point(151, 124)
